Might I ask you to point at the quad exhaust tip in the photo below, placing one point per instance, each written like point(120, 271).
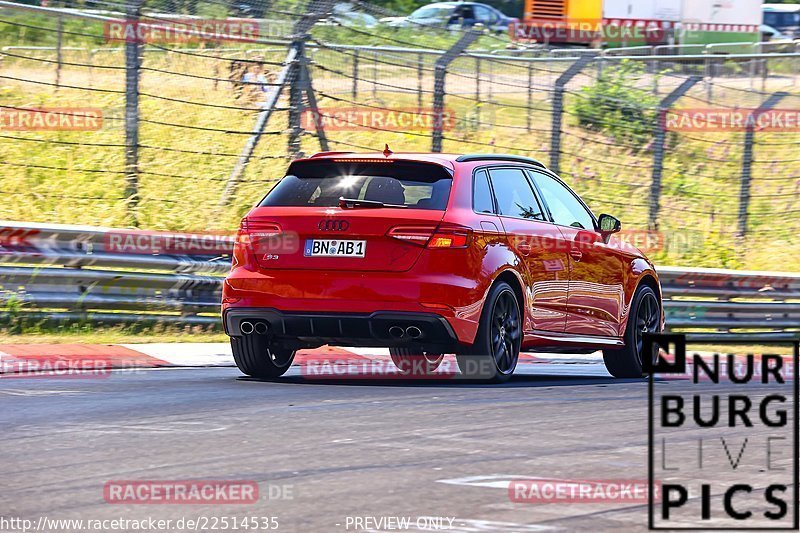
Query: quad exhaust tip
point(247, 327)
point(414, 332)
point(411, 332)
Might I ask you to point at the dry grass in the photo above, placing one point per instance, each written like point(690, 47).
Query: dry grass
point(700, 185)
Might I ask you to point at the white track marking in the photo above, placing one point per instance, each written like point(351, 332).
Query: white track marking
point(23, 392)
point(496, 481)
point(367, 352)
point(142, 427)
point(188, 354)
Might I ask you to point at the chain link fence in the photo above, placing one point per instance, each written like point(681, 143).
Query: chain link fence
point(196, 127)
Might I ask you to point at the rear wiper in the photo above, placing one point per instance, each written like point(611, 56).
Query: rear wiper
point(352, 203)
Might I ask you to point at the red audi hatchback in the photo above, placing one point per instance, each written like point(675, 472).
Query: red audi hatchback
point(428, 254)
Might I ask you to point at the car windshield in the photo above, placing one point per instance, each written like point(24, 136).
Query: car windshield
point(322, 184)
point(778, 19)
point(432, 12)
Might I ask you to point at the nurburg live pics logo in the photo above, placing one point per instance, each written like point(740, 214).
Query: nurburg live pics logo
point(723, 436)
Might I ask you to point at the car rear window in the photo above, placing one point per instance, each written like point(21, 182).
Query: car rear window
point(322, 183)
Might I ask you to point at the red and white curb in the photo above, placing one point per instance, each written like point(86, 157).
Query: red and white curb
point(25, 358)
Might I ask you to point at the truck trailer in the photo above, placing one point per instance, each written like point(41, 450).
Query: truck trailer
point(637, 22)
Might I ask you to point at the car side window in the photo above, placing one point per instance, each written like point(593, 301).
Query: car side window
point(484, 14)
point(565, 208)
point(514, 195)
point(482, 194)
point(465, 12)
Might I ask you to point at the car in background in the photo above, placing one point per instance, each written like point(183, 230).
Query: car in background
point(768, 33)
point(342, 13)
point(783, 17)
point(454, 15)
point(480, 255)
point(347, 14)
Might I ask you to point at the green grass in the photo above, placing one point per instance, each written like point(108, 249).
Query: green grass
point(92, 334)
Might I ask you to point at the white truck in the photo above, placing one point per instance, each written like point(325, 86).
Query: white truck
point(679, 21)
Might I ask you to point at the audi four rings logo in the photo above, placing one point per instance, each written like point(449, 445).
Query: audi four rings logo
point(333, 225)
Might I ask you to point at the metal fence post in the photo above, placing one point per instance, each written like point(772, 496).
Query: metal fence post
point(558, 109)
point(92, 53)
point(655, 66)
point(530, 96)
point(296, 101)
point(217, 71)
point(747, 160)
point(420, 76)
point(440, 71)
point(375, 75)
point(659, 138)
point(59, 51)
point(355, 74)
point(708, 74)
point(477, 80)
point(133, 10)
point(489, 92)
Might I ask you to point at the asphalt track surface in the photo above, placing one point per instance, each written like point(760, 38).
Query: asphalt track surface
point(333, 449)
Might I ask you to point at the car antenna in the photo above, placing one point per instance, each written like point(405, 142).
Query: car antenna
point(386, 151)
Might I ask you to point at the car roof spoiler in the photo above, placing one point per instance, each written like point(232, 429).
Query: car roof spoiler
point(500, 157)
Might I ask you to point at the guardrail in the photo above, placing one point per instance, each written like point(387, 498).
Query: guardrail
point(64, 272)
point(58, 272)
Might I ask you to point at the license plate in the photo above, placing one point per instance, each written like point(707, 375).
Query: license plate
point(334, 248)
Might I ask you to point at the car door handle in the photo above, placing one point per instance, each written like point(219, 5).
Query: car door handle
point(576, 254)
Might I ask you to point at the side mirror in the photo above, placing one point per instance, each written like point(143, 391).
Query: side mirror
point(608, 225)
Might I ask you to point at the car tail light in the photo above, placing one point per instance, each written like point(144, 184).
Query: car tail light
point(432, 237)
point(451, 237)
point(248, 237)
point(413, 234)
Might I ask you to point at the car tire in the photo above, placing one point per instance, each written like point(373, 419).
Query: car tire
point(415, 362)
point(494, 354)
point(255, 357)
point(645, 316)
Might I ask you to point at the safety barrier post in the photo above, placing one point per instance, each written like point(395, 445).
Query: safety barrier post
point(59, 51)
point(355, 74)
point(133, 9)
point(558, 108)
point(747, 160)
point(420, 76)
point(440, 71)
point(659, 138)
point(530, 97)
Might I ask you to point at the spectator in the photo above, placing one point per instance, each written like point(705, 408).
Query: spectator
point(256, 82)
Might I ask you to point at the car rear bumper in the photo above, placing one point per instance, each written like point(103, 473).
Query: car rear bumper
point(456, 300)
point(381, 328)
